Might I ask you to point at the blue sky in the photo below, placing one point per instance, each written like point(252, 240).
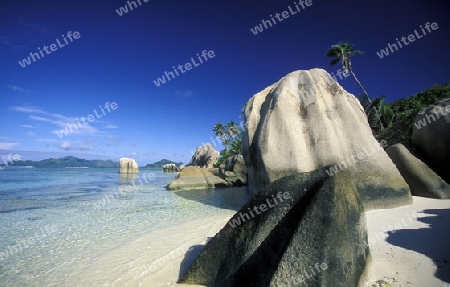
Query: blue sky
point(116, 59)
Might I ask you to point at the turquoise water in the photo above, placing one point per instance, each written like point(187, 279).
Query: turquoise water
point(53, 217)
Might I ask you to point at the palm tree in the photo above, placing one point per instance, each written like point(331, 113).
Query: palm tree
point(342, 53)
point(232, 130)
point(219, 131)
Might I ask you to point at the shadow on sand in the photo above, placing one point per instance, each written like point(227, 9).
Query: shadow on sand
point(432, 241)
point(189, 258)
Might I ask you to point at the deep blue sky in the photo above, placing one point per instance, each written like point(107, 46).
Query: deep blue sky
point(117, 58)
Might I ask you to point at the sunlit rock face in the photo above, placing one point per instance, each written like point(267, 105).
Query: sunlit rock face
point(128, 165)
point(307, 121)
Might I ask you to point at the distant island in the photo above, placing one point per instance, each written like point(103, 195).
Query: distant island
point(161, 163)
point(69, 162)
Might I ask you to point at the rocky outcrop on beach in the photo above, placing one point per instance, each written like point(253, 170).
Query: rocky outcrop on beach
point(205, 156)
point(314, 168)
point(431, 136)
point(307, 121)
point(128, 165)
point(307, 229)
point(234, 171)
point(195, 178)
point(422, 180)
point(170, 167)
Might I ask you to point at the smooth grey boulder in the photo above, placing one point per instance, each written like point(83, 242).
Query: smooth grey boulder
point(234, 171)
point(314, 236)
point(422, 180)
point(196, 178)
point(205, 156)
point(128, 165)
point(431, 136)
point(307, 121)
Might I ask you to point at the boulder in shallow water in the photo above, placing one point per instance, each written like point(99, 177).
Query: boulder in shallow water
point(128, 165)
point(195, 178)
point(170, 167)
point(205, 156)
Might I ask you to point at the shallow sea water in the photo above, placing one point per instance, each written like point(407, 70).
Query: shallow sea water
point(66, 219)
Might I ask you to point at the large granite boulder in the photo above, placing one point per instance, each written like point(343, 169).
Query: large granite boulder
point(205, 156)
point(431, 136)
point(307, 121)
point(422, 180)
point(128, 165)
point(170, 167)
point(306, 230)
point(234, 171)
point(196, 178)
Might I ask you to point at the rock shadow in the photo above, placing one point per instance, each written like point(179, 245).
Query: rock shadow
point(431, 242)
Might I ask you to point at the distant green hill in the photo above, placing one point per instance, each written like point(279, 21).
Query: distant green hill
point(68, 161)
point(159, 164)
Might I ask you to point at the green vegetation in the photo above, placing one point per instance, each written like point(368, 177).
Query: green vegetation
point(230, 137)
point(68, 161)
point(161, 163)
point(392, 122)
point(399, 116)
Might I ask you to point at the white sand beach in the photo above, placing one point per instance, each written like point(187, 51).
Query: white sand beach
point(154, 259)
point(416, 252)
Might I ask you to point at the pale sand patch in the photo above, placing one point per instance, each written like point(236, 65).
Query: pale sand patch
point(407, 258)
point(154, 259)
point(418, 252)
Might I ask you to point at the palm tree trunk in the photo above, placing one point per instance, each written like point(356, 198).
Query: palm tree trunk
point(361, 86)
point(367, 97)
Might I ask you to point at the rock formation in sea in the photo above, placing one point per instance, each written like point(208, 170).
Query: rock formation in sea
point(307, 121)
point(431, 136)
point(195, 178)
point(205, 156)
point(128, 165)
point(170, 167)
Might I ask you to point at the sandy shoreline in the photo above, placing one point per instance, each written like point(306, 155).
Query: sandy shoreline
point(407, 246)
point(154, 259)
